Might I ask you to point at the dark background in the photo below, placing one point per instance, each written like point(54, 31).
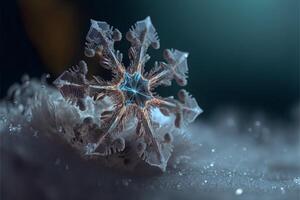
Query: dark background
point(242, 53)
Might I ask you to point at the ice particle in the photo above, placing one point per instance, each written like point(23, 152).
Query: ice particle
point(239, 191)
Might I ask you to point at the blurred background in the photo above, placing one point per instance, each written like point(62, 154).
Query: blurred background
point(244, 72)
point(243, 54)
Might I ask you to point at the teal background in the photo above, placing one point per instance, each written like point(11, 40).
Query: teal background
point(242, 53)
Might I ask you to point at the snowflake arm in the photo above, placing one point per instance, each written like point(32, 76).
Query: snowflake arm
point(152, 154)
point(190, 107)
point(175, 68)
point(185, 109)
point(100, 40)
point(73, 84)
point(141, 36)
point(75, 87)
point(102, 147)
point(177, 62)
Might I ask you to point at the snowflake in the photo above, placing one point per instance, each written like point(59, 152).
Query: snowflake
point(131, 94)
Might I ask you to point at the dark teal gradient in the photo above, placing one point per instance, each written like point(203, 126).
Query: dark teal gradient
point(243, 53)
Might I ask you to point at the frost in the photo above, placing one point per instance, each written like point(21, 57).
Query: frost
point(260, 171)
point(297, 180)
point(90, 148)
point(134, 117)
point(14, 128)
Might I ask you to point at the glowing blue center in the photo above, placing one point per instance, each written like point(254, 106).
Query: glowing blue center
point(135, 89)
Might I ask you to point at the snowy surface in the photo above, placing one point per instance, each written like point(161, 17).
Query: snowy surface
point(228, 157)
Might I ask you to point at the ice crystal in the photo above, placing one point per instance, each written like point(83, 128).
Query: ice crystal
point(136, 120)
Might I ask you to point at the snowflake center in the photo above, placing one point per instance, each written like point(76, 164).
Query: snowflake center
point(135, 89)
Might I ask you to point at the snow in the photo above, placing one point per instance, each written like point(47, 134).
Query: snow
point(214, 159)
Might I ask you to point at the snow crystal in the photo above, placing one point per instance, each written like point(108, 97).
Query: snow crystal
point(132, 97)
